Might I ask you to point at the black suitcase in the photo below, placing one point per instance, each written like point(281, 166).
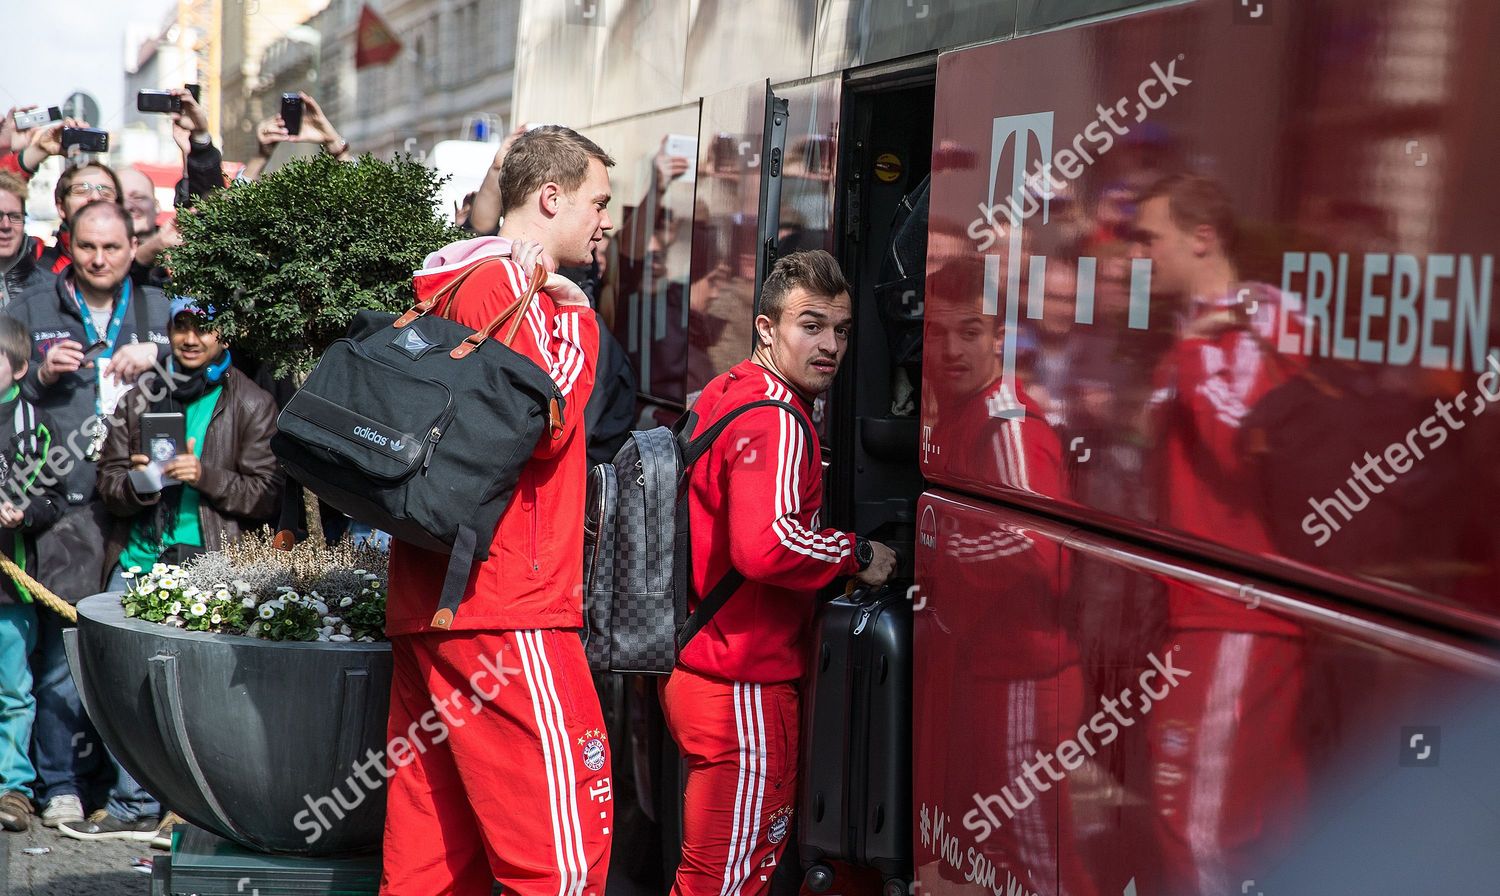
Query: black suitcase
point(856, 740)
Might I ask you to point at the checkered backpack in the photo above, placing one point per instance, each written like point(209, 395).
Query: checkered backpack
point(637, 549)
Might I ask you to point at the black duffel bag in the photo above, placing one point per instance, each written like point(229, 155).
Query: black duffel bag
point(420, 427)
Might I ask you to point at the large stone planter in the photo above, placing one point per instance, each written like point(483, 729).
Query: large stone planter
point(241, 736)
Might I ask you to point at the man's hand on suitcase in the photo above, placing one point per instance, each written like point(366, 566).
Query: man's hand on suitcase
point(880, 568)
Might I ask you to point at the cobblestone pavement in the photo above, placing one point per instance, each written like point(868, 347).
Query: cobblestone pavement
point(72, 867)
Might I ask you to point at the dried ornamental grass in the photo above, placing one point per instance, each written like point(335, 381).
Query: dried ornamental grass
point(314, 592)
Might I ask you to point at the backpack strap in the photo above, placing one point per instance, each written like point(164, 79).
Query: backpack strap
point(460, 562)
point(697, 447)
point(692, 450)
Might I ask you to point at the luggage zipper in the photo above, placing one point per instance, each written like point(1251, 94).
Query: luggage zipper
point(432, 440)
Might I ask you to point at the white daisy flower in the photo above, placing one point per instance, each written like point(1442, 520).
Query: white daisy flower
point(216, 619)
point(221, 594)
point(129, 574)
point(175, 608)
point(241, 586)
point(198, 609)
point(267, 611)
point(248, 603)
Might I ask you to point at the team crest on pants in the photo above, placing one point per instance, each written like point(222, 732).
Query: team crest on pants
point(593, 749)
point(781, 819)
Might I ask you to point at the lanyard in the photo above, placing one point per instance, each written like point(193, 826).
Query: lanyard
point(92, 335)
point(115, 322)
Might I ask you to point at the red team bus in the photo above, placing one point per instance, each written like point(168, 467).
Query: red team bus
point(1169, 382)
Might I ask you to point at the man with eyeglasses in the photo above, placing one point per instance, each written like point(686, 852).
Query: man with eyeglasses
point(92, 301)
point(76, 188)
point(19, 270)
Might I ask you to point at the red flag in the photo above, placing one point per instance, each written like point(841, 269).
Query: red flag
point(374, 43)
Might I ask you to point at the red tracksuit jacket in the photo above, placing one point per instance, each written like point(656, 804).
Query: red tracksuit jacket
point(1204, 388)
point(533, 577)
point(754, 500)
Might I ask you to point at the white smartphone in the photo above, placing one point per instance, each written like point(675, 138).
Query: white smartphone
point(686, 146)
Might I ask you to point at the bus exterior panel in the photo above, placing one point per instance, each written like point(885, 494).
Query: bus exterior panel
point(1297, 380)
point(1073, 736)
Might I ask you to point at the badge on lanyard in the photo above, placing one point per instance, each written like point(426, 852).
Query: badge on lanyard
point(106, 394)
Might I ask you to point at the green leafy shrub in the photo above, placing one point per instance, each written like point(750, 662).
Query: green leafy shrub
point(288, 260)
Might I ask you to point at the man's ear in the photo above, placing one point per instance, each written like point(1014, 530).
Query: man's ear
point(763, 330)
point(549, 198)
point(1205, 238)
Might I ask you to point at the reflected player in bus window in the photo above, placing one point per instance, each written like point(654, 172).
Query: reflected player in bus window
point(989, 434)
point(1220, 789)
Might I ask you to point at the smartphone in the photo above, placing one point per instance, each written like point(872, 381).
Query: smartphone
point(92, 353)
point(25, 121)
point(291, 112)
point(684, 146)
point(196, 91)
point(86, 139)
point(157, 101)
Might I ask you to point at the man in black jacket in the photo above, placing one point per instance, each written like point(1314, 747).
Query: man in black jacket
point(18, 252)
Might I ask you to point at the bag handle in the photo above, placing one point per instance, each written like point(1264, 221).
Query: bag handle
point(444, 296)
point(515, 313)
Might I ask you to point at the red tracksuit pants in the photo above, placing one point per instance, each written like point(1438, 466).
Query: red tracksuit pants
point(739, 741)
point(501, 767)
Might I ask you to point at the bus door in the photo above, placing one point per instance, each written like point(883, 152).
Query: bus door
point(741, 145)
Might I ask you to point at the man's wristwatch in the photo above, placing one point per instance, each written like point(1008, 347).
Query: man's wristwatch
point(864, 552)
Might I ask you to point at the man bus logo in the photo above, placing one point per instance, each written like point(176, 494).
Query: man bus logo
point(927, 532)
point(1019, 129)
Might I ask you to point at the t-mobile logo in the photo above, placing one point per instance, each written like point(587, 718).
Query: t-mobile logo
point(1029, 194)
